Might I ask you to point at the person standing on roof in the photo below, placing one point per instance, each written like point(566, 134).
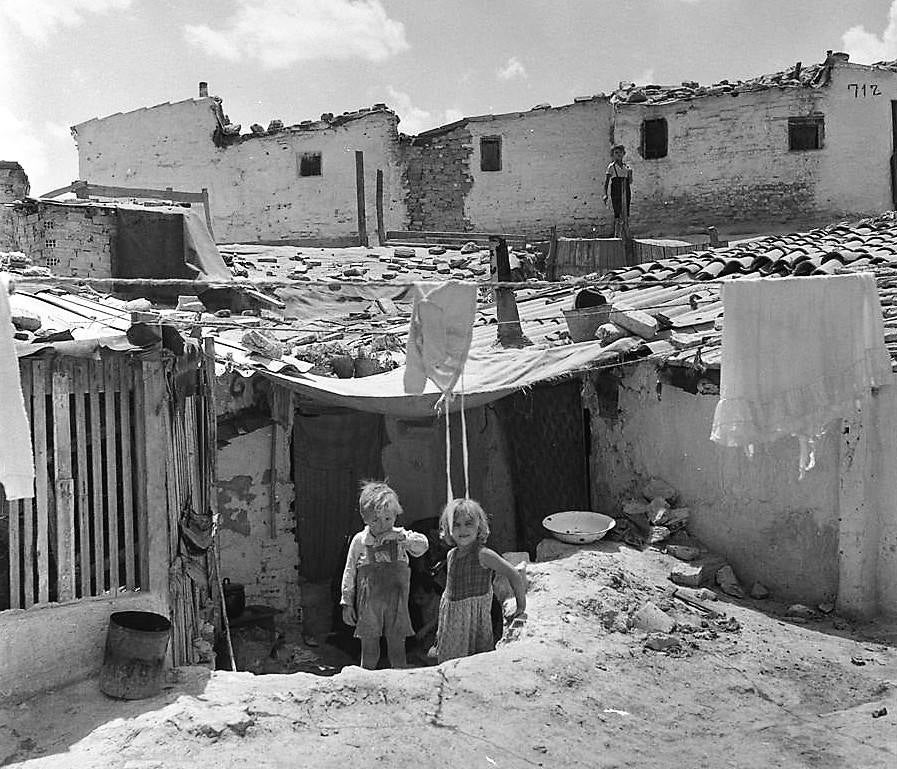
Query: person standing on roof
point(619, 177)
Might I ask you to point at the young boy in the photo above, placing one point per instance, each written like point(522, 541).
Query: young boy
point(619, 177)
point(376, 579)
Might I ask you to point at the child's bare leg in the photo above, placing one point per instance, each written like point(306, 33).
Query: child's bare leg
point(395, 646)
point(370, 652)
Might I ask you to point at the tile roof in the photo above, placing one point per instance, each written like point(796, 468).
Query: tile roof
point(690, 315)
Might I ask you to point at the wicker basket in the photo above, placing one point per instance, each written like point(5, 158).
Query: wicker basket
point(582, 324)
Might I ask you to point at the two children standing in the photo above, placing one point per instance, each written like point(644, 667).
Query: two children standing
point(376, 579)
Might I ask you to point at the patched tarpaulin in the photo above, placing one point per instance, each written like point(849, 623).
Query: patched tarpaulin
point(490, 374)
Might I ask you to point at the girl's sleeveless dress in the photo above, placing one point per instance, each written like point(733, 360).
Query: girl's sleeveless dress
point(465, 611)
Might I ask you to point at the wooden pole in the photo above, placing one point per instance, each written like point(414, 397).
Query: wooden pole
point(381, 228)
point(359, 190)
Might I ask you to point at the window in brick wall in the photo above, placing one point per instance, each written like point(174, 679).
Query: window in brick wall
point(806, 133)
point(50, 243)
point(654, 140)
point(310, 164)
point(490, 153)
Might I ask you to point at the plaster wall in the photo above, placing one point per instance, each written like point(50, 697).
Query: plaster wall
point(552, 172)
point(770, 525)
point(855, 176)
point(48, 646)
point(728, 162)
point(255, 190)
point(264, 560)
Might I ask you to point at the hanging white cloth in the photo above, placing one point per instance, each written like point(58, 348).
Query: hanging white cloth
point(16, 453)
point(797, 353)
point(439, 339)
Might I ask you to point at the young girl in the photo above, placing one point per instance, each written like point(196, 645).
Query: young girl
point(465, 623)
point(619, 176)
point(377, 577)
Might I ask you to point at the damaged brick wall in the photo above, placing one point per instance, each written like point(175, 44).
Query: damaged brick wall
point(14, 183)
point(69, 240)
point(437, 174)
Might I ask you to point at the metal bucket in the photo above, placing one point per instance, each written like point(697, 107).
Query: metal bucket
point(136, 643)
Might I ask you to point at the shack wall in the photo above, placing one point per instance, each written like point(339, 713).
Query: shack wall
point(256, 192)
point(770, 525)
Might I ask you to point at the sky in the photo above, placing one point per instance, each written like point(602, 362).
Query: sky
point(433, 61)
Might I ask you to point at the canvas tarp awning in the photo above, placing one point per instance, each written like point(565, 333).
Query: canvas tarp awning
point(490, 374)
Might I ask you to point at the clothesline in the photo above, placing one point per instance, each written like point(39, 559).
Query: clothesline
point(203, 285)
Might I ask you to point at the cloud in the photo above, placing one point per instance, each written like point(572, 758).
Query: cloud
point(413, 119)
point(279, 33)
point(38, 19)
point(646, 78)
point(514, 68)
point(867, 47)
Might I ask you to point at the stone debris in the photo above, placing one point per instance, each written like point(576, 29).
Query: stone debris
point(469, 247)
point(658, 534)
point(728, 582)
point(436, 250)
point(683, 552)
point(826, 607)
point(759, 591)
point(674, 519)
point(800, 611)
point(696, 573)
point(661, 641)
point(651, 619)
point(402, 252)
point(696, 594)
point(262, 343)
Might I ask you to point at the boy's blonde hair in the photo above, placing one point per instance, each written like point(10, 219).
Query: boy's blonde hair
point(376, 495)
point(463, 508)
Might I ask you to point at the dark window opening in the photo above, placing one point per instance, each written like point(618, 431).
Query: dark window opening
point(310, 164)
point(806, 133)
point(654, 138)
point(490, 153)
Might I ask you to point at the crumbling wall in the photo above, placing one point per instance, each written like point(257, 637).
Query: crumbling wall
point(728, 162)
point(69, 240)
point(552, 172)
point(770, 525)
point(14, 184)
point(438, 178)
point(258, 534)
point(256, 190)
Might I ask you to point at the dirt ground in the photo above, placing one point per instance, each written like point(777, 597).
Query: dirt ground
point(571, 686)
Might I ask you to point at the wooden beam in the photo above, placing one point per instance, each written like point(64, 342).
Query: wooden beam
point(64, 483)
point(41, 480)
point(381, 228)
point(82, 500)
point(96, 477)
point(28, 505)
point(127, 510)
point(359, 192)
point(110, 385)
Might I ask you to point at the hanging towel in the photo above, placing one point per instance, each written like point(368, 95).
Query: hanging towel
point(16, 454)
point(797, 353)
point(440, 334)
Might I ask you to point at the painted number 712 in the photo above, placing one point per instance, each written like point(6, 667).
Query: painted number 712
point(863, 90)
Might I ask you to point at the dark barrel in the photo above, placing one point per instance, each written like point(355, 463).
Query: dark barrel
point(135, 655)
